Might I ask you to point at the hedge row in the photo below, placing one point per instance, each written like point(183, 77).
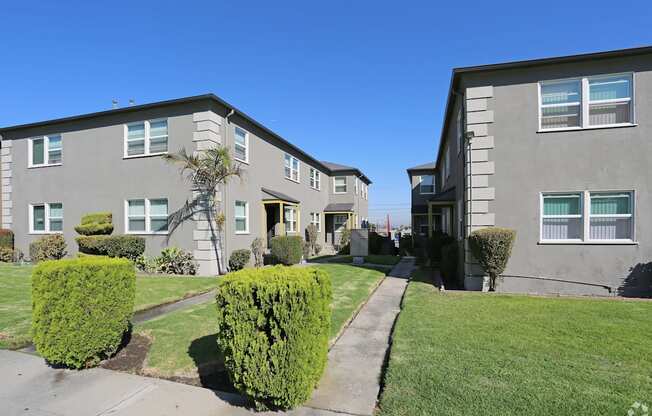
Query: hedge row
point(273, 326)
point(287, 249)
point(127, 246)
point(81, 308)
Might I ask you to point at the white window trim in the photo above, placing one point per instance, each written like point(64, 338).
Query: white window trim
point(585, 209)
point(298, 170)
point(148, 218)
point(292, 221)
point(46, 152)
point(315, 179)
point(246, 145)
point(420, 179)
point(246, 217)
point(30, 215)
point(313, 216)
point(346, 188)
point(147, 139)
point(585, 101)
point(356, 185)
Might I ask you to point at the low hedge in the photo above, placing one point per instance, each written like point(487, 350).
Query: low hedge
point(126, 246)
point(81, 308)
point(273, 326)
point(49, 247)
point(287, 250)
point(6, 238)
point(239, 259)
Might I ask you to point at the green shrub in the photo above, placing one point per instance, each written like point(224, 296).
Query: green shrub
point(99, 223)
point(6, 238)
point(344, 245)
point(7, 255)
point(257, 249)
point(127, 246)
point(405, 245)
point(239, 259)
point(173, 260)
point(448, 267)
point(81, 309)
point(49, 247)
point(145, 264)
point(438, 240)
point(273, 326)
point(375, 242)
point(287, 249)
point(492, 247)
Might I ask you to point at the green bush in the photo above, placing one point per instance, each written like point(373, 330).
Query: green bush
point(375, 242)
point(49, 247)
point(81, 308)
point(287, 249)
point(99, 223)
point(127, 246)
point(448, 267)
point(174, 260)
point(6, 238)
point(257, 249)
point(492, 247)
point(435, 243)
point(7, 255)
point(239, 259)
point(405, 245)
point(273, 326)
point(344, 245)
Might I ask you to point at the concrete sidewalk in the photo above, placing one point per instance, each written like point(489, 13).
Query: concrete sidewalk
point(350, 384)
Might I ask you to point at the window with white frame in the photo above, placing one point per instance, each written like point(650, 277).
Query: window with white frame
point(315, 219)
point(426, 184)
point(588, 216)
point(241, 216)
point(460, 131)
point(597, 101)
point(241, 145)
point(45, 151)
point(291, 168)
point(46, 218)
point(147, 216)
point(290, 219)
point(146, 138)
point(339, 184)
point(315, 179)
point(339, 222)
point(355, 186)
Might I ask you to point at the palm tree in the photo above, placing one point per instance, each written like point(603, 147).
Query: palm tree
point(206, 171)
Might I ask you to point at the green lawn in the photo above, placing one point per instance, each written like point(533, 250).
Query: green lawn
point(468, 353)
point(184, 343)
point(16, 302)
point(372, 259)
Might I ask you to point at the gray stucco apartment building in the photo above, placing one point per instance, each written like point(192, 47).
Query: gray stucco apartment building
point(54, 172)
point(558, 149)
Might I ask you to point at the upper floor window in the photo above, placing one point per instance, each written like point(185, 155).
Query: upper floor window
point(365, 191)
point(339, 184)
point(146, 138)
point(291, 168)
point(45, 151)
point(241, 145)
point(46, 218)
point(241, 217)
point(599, 101)
point(588, 217)
point(147, 216)
point(315, 179)
point(427, 184)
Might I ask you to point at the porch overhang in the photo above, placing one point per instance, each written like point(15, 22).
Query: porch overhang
point(339, 208)
point(274, 197)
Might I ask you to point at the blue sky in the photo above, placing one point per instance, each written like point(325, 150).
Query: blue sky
point(354, 82)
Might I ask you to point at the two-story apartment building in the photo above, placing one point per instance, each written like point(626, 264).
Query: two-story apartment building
point(54, 172)
point(557, 149)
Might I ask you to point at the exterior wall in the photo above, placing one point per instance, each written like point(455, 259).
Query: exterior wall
point(94, 176)
point(527, 163)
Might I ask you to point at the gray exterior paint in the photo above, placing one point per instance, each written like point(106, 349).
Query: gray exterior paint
point(512, 164)
point(94, 175)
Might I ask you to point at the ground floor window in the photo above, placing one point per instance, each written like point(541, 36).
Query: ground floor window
point(339, 222)
point(241, 217)
point(587, 216)
point(147, 216)
point(315, 219)
point(46, 218)
point(290, 219)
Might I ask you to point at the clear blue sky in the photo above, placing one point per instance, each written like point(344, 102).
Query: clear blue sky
point(354, 82)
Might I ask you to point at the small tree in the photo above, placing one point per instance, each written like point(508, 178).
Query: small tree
point(492, 247)
point(312, 234)
point(257, 250)
point(207, 171)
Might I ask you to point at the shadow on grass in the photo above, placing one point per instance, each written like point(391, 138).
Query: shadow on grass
point(210, 364)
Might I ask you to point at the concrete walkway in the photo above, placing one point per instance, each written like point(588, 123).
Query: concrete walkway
point(349, 386)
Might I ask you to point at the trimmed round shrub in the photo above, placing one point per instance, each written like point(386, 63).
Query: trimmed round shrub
point(6, 238)
point(239, 259)
point(81, 308)
point(273, 328)
point(49, 247)
point(126, 246)
point(492, 247)
point(99, 223)
point(287, 249)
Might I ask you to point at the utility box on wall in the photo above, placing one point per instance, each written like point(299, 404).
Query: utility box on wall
point(360, 242)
